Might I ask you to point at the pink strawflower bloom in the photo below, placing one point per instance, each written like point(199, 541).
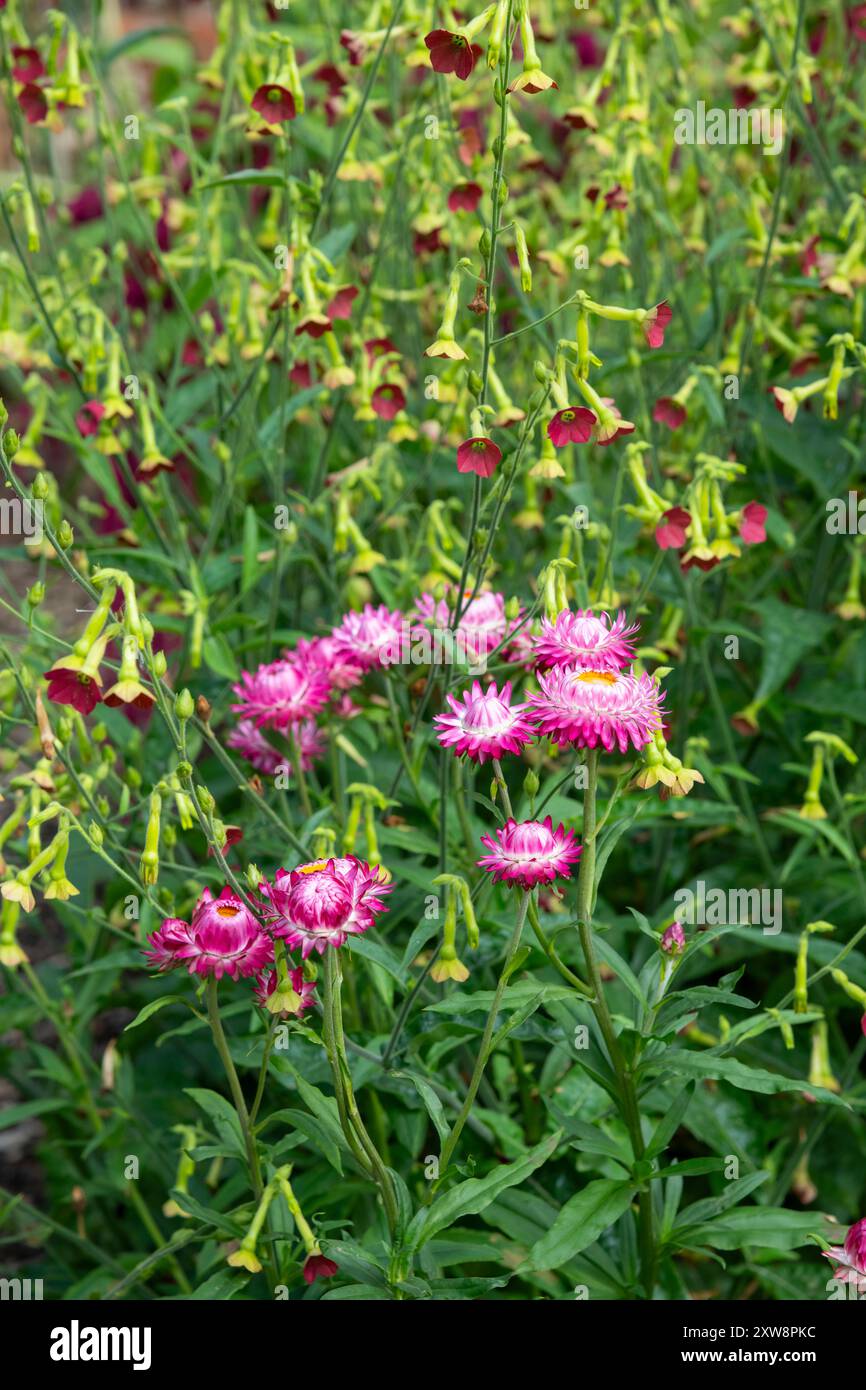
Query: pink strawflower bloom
point(850, 1258)
point(451, 52)
point(482, 626)
point(585, 641)
point(672, 528)
point(372, 637)
point(673, 940)
point(667, 411)
point(223, 938)
point(656, 322)
point(484, 723)
point(753, 527)
point(588, 708)
point(327, 655)
point(280, 694)
point(321, 903)
point(251, 743)
point(573, 425)
point(530, 852)
point(266, 983)
point(478, 455)
point(275, 104)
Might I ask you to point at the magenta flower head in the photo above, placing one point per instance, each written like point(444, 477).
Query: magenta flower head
point(585, 641)
point(528, 852)
point(280, 694)
point(850, 1258)
point(223, 938)
point(88, 418)
point(667, 411)
point(251, 743)
point(588, 708)
point(481, 628)
point(573, 425)
point(27, 65)
point(372, 637)
point(33, 103)
point(68, 686)
point(325, 654)
point(388, 400)
point(673, 940)
point(321, 903)
point(451, 52)
point(753, 523)
point(656, 322)
point(274, 104)
point(484, 724)
point(478, 455)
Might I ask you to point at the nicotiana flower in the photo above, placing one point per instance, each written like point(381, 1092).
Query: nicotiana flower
point(478, 455)
point(753, 529)
point(850, 1258)
point(667, 411)
point(585, 640)
point(528, 852)
point(655, 323)
point(588, 708)
point(223, 938)
point(484, 723)
point(465, 197)
point(321, 903)
point(280, 694)
point(572, 425)
point(672, 528)
point(387, 400)
point(372, 637)
point(450, 52)
point(275, 104)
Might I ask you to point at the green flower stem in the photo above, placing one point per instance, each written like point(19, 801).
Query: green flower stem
point(485, 1048)
point(298, 771)
point(625, 1079)
point(219, 1037)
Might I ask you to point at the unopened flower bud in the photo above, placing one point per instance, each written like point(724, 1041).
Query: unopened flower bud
point(184, 705)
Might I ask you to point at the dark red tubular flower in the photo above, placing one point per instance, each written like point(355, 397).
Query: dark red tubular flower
point(387, 401)
point(33, 103)
point(616, 199)
point(316, 325)
point(379, 347)
point(656, 322)
point(667, 411)
point(133, 290)
point(73, 688)
point(87, 206)
point(318, 1267)
point(340, 306)
point(699, 562)
point(672, 528)
point(452, 53)
point(478, 455)
point(809, 255)
point(465, 197)
point(88, 418)
point(301, 375)
point(586, 48)
point(753, 523)
point(27, 65)
point(355, 47)
point(333, 79)
point(425, 243)
point(274, 104)
point(572, 425)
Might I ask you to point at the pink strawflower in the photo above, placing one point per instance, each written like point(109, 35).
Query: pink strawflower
point(850, 1258)
point(655, 323)
point(672, 528)
point(321, 903)
point(275, 104)
point(573, 425)
point(588, 708)
point(251, 743)
point(465, 197)
point(451, 53)
point(753, 527)
point(673, 940)
point(667, 411)
point(317, 1266)
point(484, 724)
point(280, 694)
point(530, 852)
point(388, 400)
point(223, 938)
point(478, 455)
point(585, 641)
point(266, 983)
point(372, 637)
point(482, 626)
point(328, 655)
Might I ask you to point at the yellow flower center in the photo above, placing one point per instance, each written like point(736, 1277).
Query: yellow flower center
point(598, 677)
